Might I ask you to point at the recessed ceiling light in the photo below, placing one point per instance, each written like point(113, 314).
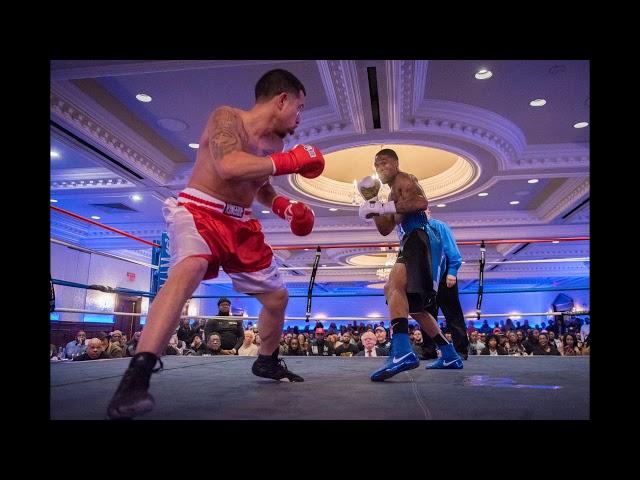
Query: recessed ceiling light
point(265, 211)
point(556, 241)
point(538, 102)
point(514, 202)
point(483, 194)
point(95, 217)
point(581, 125)
point(533, 180)
point(441, 205)
point(54, 154)
point(194, 145)
point(136, 198)
point(53, 200)
point(333, 209)
point(306, 249)
point(143, 97)
point(483, 74)
point(324, 265)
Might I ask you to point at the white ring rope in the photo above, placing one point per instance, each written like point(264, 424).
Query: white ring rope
point(324, 319)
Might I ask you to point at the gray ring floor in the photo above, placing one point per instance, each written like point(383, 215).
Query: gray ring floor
point(335, 388)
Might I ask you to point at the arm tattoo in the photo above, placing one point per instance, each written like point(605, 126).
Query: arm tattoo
point(224, 137)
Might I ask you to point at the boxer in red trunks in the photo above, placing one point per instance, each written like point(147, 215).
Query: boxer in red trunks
point(210, 227)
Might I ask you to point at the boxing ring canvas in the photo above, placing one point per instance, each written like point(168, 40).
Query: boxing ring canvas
point(335, 388)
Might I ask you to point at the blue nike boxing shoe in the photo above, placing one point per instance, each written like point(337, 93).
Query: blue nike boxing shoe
point(401, 358)
point(449, 358)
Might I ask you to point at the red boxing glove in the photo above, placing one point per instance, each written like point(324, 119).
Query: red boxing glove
point(299, 216)
point(303, 159)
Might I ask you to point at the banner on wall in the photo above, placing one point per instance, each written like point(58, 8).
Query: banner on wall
point(161, 258)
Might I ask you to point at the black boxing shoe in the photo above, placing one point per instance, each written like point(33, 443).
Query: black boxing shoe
point(132, 397)
point(275, 369)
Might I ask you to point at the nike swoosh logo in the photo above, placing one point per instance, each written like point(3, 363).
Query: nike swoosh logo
point(396, 360)
point(449, 363)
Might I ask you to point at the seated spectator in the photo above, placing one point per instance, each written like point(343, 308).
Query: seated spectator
point(248, 348)
point(509, 325)
point(318, 345)
point(284, 343)
point(355, 339)
point(175, 347)
point(485, 328)
point(585, 329)
point(470, 327)
point(532, 340)
point(544, 347)
point(294, 348)
point(512, 347)
point(76, 347)
point(475, 345)
point(130, 351)
point(555, 341)
point(418, 345)
point(369, 341)
point(381, 336)
point(95, 351)
point(303, 340)
point(197, 345)
point(113, 349)
point(117, 338)
point(586, 348)
point(184, 331)
point(492, 347)
point(570, 347)
point(214, 346)
point(347, 349)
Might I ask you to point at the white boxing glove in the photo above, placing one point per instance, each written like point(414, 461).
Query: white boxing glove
point(371, 209)
point(369, 188)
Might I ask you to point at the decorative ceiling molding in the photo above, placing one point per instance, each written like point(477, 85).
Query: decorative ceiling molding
point(118, 139)
point(344, 114)
point(394, 75)
point(406, 80)
point(553, 157)
point(86, 184)
point(471, 124)
point(65, 228)
point(340, 79)
point(73, 178)
point(145, 231)
point(571, 192)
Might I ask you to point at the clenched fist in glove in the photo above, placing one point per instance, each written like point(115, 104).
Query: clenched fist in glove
point(370, 209)
point(369, 188)
point(303, 159)
point(299, 216)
